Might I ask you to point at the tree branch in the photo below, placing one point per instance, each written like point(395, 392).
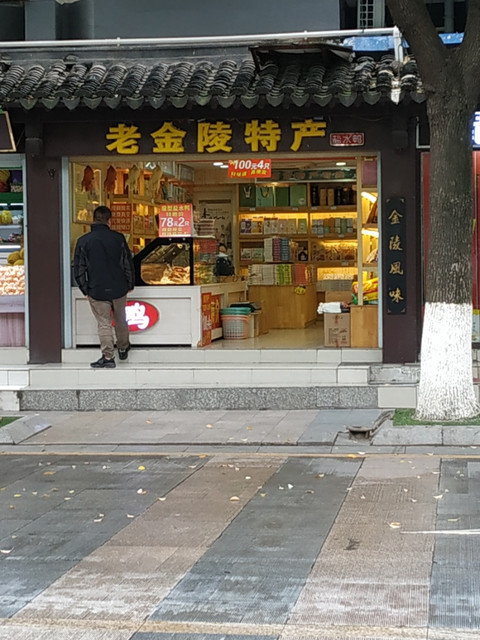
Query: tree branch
point(413, 20)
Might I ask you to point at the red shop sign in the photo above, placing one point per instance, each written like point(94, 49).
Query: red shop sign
point(175, 220)
point(347, 139)
point(140, 315)
point(250, 168)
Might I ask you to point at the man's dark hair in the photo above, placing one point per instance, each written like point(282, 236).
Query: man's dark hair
point(102, 214)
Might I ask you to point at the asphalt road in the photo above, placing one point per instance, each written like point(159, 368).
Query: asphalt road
point(239, 546)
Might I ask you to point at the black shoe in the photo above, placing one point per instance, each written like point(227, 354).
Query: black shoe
point(103, 363)
point(123, 353)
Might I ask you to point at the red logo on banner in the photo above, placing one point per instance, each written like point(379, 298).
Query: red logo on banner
point(347, 139)
point(255, 168)
point(175, 220)
point(140, 315)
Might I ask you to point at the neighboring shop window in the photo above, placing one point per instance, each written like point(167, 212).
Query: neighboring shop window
point(12, 255)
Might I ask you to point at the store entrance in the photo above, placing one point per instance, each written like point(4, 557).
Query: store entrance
point(303, 245)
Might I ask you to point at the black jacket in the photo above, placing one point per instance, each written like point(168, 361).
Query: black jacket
point(102, 264)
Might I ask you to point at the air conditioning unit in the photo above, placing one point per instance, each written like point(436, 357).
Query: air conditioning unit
point(370, 13)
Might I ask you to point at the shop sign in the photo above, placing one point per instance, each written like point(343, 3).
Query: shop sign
point(256, 168)
point(347, 139)
point(140, 315)
point(7, 142)
point(396, 272)
point(214, 137)
point(175, 220)
point(206, 319)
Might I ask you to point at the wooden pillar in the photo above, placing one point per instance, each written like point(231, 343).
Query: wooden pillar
point(44, 258)
point(400, 178)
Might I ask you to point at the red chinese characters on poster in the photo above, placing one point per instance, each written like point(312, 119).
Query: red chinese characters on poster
point(175, 220)
point(121, 217)
point(255, 168)
point(206, 319)
point(347, 139)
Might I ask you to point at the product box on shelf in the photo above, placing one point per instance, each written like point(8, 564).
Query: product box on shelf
point(336, 328)
point(298, 195)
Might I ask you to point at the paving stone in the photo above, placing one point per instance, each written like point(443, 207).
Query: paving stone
point(48, 400)
point(233, 580)
point(410, 435)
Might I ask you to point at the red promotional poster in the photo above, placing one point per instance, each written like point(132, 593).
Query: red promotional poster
point(121, 217)
point(206, 319)
point(250, 168)
point(175, 220)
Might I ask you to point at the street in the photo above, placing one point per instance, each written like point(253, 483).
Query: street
point(273, 545)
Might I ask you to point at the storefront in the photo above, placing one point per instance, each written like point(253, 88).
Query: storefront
point(335, 216)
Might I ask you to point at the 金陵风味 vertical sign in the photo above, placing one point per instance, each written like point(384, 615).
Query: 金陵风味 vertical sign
point(396, 271)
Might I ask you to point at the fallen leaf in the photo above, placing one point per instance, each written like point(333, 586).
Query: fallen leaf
point(34, 493)
point(17, 495)
point(209, 426)
point(74, 466)
point(248, 478)
point(162, 499)
point(98, 520)
point(310, 491)
point(439, 497)
point(6, 551)
point(129, 515)
point(406, 490)
point(141, 492)
point(351, 455)
point(67, 498)
point(234, 499)
point(49, 473)
point(249, 428)
point(237, 468)
point(413, 500)
point(320, 475)
point(281, 488)
point(148, 421)
point(290, 486)
point(361, 453)
point(244, 439)
point(71, 491)
point(46, 495)
point(192, 466)
point(141, 468)
point(202, 455)
point(430, 454)
point(362, 498)
point(54, 489)
point(453, 519)
point(262, 495)
point(394, 525)
point(473, 446)
point(12, 507)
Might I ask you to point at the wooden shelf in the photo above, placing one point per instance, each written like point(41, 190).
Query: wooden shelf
point(273, 210)
point(341, 208)
point(340, 236)
point(261, 236)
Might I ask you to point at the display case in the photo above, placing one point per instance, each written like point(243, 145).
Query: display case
point(176, 261)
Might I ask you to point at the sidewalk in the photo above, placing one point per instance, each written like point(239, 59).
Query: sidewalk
point(331, 431)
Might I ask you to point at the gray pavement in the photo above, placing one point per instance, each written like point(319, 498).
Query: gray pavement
point(308, 431)
point(237, 546)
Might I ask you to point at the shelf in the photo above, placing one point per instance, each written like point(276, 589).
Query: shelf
point(341, 236)
point(261, 236)
point(335, 263)
point(10, 226)
point(340, 208)
point(273, 210)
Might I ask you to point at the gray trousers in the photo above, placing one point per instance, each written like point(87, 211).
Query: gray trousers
point(102, 310)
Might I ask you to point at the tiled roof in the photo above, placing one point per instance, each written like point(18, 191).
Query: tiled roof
point(296, 80)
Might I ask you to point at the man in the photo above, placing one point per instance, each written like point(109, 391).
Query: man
point(103, 269)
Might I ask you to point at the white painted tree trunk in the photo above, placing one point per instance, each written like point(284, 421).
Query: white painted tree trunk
point(446, 389)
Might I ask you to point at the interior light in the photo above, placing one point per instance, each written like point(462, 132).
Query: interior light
point(217, 164)
point(224, 166)
point(370, 232)
point(369, 196)
point(340, 164)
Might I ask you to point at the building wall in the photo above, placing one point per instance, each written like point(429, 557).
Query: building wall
point(51, 20)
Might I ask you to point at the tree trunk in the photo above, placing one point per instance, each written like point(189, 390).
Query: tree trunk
point(446, 389)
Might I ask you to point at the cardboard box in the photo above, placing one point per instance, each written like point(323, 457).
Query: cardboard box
point(336, 328)
point(364, 334)
point(334, 296)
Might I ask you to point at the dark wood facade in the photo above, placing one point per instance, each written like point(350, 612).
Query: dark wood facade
point(50, 136)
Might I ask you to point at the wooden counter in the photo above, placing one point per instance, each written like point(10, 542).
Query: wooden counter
point(283, 307)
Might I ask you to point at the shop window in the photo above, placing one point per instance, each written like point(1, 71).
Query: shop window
point(12, 258)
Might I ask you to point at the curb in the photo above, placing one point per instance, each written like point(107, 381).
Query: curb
point(20, 430)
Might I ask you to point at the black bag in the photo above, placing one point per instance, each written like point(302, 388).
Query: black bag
point(223, 267)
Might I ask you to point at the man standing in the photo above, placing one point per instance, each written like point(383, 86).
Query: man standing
point(103, 269)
